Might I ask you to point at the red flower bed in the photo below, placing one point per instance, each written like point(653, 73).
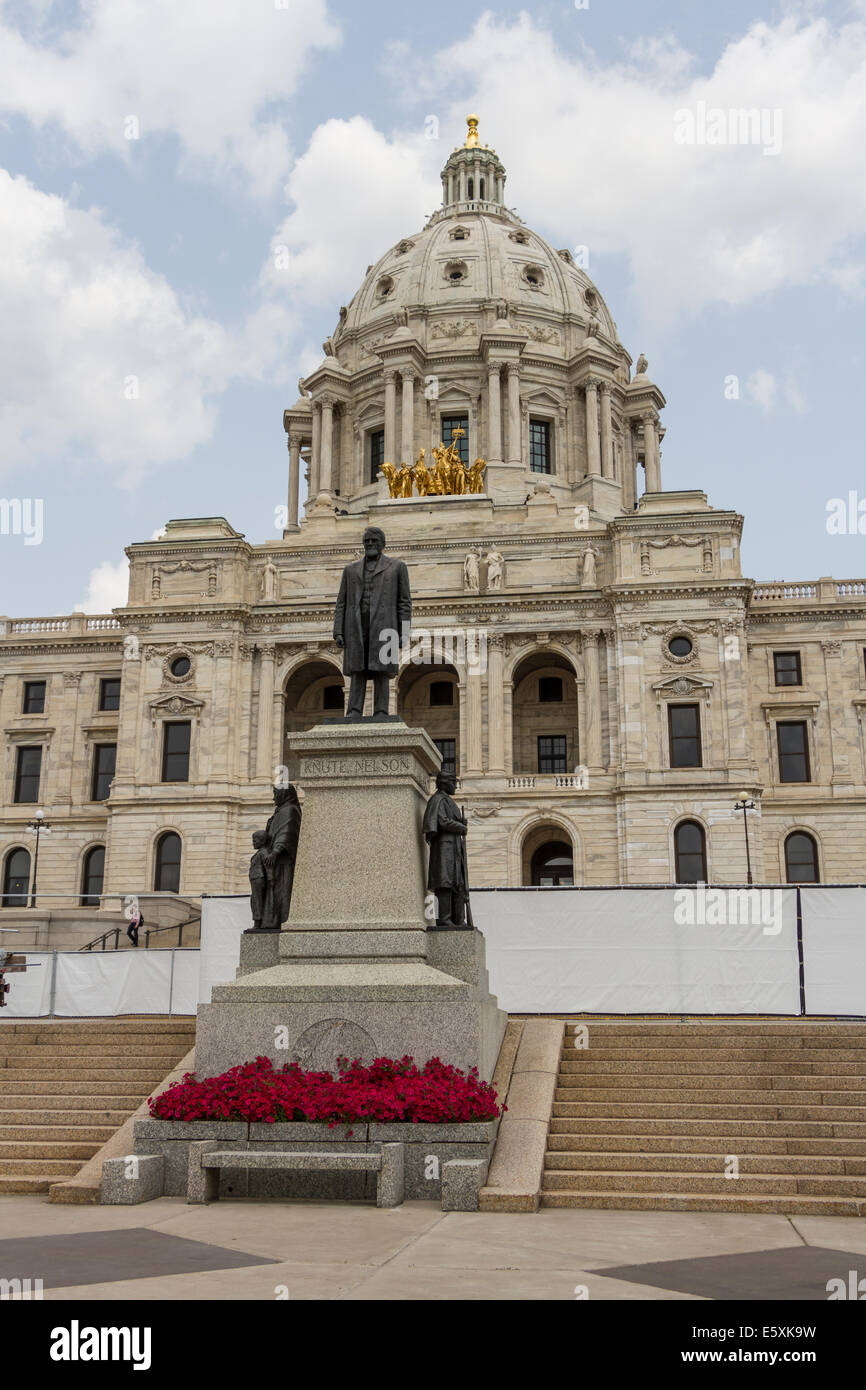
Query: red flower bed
point(385, 1092)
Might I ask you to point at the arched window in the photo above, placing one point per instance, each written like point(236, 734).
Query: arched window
point(552, 865)
point(92, 876)
point(690, 850)
point(16, 878)
point(166, 878)
point(471, 188)
point(801, 858)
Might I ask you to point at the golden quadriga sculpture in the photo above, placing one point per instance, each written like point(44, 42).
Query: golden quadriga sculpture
point(449, 477)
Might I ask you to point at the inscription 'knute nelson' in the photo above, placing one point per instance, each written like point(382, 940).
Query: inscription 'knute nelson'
point(380, 765)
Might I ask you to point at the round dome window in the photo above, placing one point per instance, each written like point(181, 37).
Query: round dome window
point(385, 287)
point(456, 272)
point(534, 276)
point(680, 646)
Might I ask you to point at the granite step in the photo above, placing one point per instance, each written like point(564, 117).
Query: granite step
point(82, 1133)
point(678, 1125)
point(789, 1205)
point(643, 1180)
point(715, 1064)
point(628, 1145)
point(699, 1081)
point(644, 1118)
point(67, 1086)
point(696, 1162)
point(46, 1148)
point(39, 1167)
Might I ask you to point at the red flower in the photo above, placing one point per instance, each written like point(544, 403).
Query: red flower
point(387, 1091)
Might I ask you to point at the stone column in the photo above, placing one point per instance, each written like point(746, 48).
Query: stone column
point(222, 756)
point(593, 455)
point(315, 452)
point(264, 739)
point(495, 704)
point(832, 649)
point(390, 415)
point(470, 710)
point(651, 452)
point(326, 447)
point(607, 467)
point(294, 480)
point(631, 722)
point(64, 792)
point(513, 375)
point(592, 688)
point(494, 416)
point(407, 440)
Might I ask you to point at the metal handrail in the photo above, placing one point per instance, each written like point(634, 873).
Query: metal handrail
point(98, 942)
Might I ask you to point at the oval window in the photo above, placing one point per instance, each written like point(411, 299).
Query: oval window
point(180, 666)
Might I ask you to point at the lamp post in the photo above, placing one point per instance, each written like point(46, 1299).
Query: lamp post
point(38, 825)
point(745, 804)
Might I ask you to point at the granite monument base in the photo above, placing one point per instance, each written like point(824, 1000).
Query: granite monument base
point(357, 974)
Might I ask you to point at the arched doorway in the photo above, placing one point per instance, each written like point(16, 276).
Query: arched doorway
point(690, 852)
point(801, 858)
point(552, 865)
point(166, 877)
point(544, 715)
point(428, 697)
point(93, 876)
point(313, 694)
point(16, 878)
point(547, 856)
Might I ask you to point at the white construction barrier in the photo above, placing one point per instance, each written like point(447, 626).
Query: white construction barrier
point(553, 951)
point(641, 950)
point(834, 950)
point(104, 984)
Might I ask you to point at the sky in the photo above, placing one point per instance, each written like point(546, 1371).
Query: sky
point(189, 190)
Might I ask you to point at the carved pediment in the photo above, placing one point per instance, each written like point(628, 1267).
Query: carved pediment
point(174, 706)
point(681, 687)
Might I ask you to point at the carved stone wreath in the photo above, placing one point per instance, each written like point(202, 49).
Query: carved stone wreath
point(167, 674)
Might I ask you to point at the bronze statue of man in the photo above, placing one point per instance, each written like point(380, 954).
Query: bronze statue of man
point(276, 855)
point(374, 608)
point(445, 833)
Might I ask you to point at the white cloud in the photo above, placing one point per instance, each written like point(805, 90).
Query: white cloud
point(761, 389)
point(590, 152)
point(354, 192)
point(205, 71)
point(107, 588)
point(105, 363)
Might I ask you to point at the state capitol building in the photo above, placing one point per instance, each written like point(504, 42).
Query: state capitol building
point(591, 660)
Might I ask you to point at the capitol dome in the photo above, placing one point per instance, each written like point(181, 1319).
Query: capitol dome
point(477, 259)
point(475, 330)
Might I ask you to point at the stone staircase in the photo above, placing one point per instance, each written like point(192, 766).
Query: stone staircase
point(647, 1116)
point(67, 1086)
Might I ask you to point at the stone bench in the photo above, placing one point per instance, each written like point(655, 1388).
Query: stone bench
point(207, 1158)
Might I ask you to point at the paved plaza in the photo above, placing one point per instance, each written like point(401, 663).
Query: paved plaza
point(264, 1250)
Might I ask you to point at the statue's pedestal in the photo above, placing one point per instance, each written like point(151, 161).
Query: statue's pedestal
point(355, 973)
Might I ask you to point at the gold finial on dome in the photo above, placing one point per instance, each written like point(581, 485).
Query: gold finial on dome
point(472, 137)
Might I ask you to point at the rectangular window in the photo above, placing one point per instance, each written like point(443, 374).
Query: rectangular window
point(448, 748)
point(34, 697)
point(549, 690)
point(377, 453)
point(109, 693)
point(28, 767)
point(175, 752)
point(684, 725)
point(450, 425)
point(104, 757)
point(551, 753)
point(787, 668)
point(540, 453)
point(793, 742)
